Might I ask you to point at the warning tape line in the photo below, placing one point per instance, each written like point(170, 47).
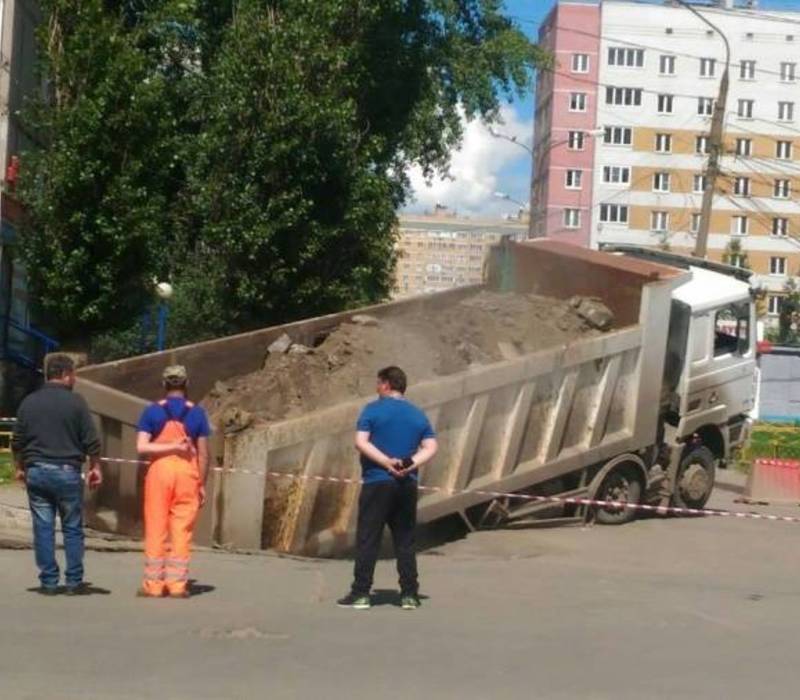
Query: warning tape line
point(659, 510)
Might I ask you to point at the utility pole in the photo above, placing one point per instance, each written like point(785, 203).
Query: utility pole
point(715, 141)
point(715, 146)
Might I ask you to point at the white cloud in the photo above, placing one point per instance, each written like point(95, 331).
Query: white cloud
point(475, 169)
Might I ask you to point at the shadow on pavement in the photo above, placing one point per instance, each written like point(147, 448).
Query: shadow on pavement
point(200, 588)
point(385, 596)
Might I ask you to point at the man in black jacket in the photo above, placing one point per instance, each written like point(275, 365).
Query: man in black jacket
point(53, 436)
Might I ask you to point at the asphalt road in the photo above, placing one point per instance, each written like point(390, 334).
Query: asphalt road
point(676, 608)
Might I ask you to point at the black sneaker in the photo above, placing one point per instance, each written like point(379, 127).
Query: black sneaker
point(356, 601)
point(48, 590)
point(409, 602)
point(78, 589)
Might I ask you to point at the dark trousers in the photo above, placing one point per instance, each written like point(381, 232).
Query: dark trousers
point(392, 503)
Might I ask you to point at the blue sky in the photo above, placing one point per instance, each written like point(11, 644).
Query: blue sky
point(485, 165)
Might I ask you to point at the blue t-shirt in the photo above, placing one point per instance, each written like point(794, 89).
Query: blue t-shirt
point(154, 418)
point(396, 427)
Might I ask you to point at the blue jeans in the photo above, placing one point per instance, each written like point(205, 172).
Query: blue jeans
point(56, 488)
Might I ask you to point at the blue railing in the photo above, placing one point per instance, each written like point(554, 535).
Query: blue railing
point(24, 344)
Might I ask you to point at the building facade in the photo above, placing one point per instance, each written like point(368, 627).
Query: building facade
point(441, 252)
point(651, 99)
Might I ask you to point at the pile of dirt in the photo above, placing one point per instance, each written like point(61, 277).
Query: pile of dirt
point(482, 328)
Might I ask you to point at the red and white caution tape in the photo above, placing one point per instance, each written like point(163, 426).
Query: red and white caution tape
point(643, 507)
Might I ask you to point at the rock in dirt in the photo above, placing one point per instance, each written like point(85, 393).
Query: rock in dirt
point(234, 419)
point(593, 311)
point(280, 345)
point(298, 349)
point(364, 320)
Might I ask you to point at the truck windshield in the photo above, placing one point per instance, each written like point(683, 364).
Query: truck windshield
point(732, 330)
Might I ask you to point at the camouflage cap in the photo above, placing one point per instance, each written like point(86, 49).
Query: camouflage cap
point(175, 374)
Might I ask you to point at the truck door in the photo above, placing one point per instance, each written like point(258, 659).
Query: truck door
point(719, 385)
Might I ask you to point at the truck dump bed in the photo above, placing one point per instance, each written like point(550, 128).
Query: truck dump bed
point(505, 426)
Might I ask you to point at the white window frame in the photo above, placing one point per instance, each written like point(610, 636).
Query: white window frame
point(777, 266)
point(788, 71)
point(708, 67)
point(620, 96)
point(705, 106)
point(744, 147)
point(736, 260)
point(614, 214)
point(741, 186)
point(745, 109)
point(572, 218)
point(774, 304)
point(666, 61)
point(783, 150)
point(659, 221)
point(740, 225)
point(622, 131)
point(576, 140)
point(661, 182)
point(577, 102)
point(663, 143)
point(694, 221)
point(704, 140)
point(699, 183)
point(747, 70)
point(579, 63)
point(624, 57)
point(622, 172)
point(573, 179)
point(782, 188)
point(785, 111)
point(666, 104)
point(780, 227)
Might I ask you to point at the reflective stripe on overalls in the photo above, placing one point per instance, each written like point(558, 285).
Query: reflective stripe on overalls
point(171, 503)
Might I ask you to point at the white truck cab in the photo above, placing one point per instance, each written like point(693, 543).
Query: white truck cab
point(709, 387)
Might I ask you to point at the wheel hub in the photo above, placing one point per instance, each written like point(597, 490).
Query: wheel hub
point(695, 482)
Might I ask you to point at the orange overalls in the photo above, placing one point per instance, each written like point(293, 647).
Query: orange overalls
point(171, 504)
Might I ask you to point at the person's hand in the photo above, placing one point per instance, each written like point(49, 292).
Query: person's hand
point(184, 449)
point(202, 494)
point(407, 466)
point(94, 478)
point(19, 475)
point(394, 466)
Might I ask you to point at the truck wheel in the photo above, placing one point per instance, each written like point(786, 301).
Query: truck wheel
point(621, 484)
point(695, 479)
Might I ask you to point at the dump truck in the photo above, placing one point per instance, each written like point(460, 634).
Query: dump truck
point(644, 413)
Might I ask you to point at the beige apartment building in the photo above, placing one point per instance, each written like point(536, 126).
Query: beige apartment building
point(623, 124)
point(441, 252)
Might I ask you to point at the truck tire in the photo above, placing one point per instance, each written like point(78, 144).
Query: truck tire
point(622, 484)
point(695, 478)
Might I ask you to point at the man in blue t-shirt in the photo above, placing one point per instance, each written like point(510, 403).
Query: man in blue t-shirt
point(395, 439)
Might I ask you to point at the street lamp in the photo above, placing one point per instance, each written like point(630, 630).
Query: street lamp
point(507, 197)
point(510, 139)
point(163, 292)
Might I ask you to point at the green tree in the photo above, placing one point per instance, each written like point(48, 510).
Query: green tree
point(253, 152)
point(734, 254)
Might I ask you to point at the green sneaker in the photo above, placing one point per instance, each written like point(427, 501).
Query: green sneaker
point(409, 602)
point(355, 601)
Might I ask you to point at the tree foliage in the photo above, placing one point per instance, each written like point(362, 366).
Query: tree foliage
point(254, 152)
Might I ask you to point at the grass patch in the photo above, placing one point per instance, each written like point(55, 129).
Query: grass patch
point(769, 441)
point(6, 468)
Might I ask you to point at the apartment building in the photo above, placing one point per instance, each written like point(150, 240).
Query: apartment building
point(622, 127)
point(440, 252)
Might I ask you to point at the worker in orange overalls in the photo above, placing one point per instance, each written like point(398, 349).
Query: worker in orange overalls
point(173, 434)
